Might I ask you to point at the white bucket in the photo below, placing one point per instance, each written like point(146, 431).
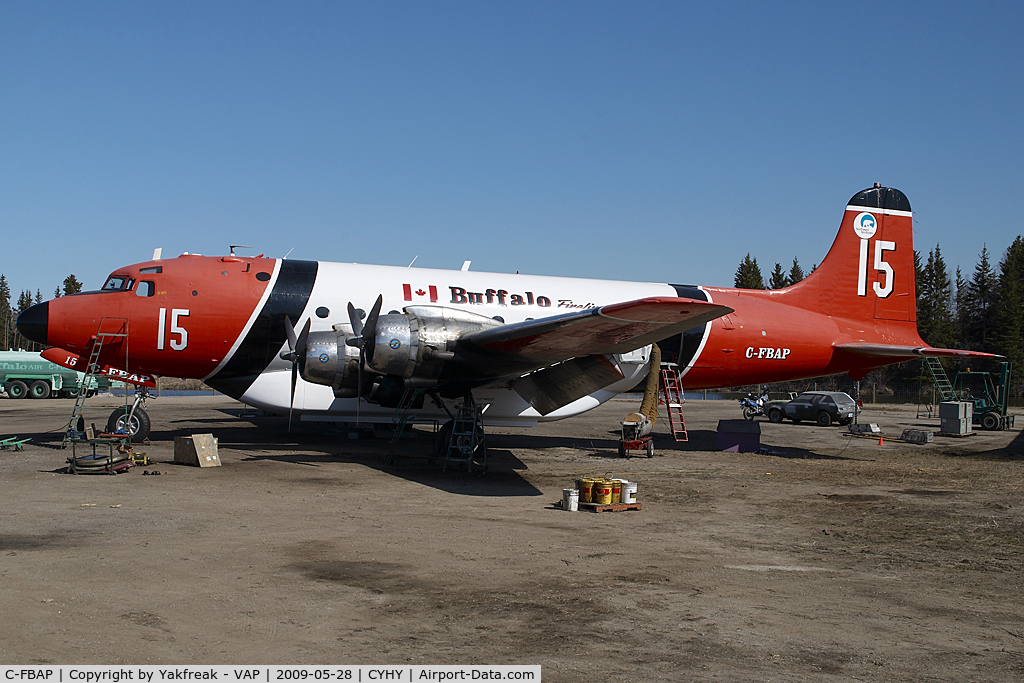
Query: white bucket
point(628, 492)
point(570, 500)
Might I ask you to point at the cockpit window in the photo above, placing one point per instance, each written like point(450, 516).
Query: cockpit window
point(145, 288)
point(118, 283)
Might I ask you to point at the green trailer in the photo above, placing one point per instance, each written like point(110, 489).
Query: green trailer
point(26, 374)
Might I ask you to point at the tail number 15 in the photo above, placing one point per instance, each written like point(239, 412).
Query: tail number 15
point(864, 225)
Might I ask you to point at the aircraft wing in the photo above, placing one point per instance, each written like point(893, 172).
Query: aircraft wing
point(614, 328)
point(556, 360)
point(896, 351)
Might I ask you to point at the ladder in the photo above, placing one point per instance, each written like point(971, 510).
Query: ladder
point(942, 383)
point(673, 391)
point(93, 348)
point(401, 418)
point(466, 445)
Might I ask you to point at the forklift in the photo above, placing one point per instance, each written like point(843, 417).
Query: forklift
point(990, 400)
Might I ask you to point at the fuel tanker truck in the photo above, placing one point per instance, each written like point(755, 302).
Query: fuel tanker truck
point(27, 374)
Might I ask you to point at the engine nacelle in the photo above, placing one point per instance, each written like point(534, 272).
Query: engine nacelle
point(415, 345)
point(331, 361)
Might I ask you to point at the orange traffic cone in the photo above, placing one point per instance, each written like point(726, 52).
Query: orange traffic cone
point(880, 440)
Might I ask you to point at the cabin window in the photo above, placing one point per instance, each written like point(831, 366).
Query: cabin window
point(145, 288)
point(118, 283)
point(151, 269)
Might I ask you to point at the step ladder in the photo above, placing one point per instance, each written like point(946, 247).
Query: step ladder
point(673, 392)
point(942, 384)
point(401, 419)
point(466, 446)
point(109, 329)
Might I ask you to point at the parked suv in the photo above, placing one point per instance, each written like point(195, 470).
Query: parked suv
point(824, 407)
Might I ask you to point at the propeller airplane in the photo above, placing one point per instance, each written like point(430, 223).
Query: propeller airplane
point(527, 348)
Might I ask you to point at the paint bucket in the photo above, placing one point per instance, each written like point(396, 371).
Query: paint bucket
point(616, 490)
point(570, 500)
point(602, 492)
point(586, 490)
point(629, 492)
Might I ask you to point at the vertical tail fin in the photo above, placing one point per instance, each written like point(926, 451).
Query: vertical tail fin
point(868, 273)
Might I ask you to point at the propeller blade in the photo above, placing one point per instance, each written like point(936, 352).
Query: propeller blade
point(357, 324)
point(290, 331)
point(370, 329)
point(291, 401)
point(301, 344)
point(297, 356)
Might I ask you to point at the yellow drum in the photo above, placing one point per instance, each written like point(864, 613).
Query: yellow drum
point(602, 492)
point(586, 490)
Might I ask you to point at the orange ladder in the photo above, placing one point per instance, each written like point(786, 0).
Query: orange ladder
point(673, 392)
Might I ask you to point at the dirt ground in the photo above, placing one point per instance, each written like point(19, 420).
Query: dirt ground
point(834, 559)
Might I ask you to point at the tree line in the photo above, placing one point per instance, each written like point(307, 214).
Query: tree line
point(984, 312)
point(11, 338)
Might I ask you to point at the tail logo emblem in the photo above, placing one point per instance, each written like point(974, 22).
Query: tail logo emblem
point(864, 225)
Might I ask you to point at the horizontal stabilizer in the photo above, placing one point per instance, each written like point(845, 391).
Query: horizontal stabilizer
point(73, 361)
point(906, 352)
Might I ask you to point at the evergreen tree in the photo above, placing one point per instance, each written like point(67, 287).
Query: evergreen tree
point(981, 303)
point(960, 312)
point(796, 273)
point(39, 296)
point(1008, 337)
point(748, 275)
point(56, 293)
point(935, 301)
point(72, 285)
point(778, 279)
point(5, 312)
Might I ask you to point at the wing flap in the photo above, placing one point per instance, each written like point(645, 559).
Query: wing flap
point(550, 388)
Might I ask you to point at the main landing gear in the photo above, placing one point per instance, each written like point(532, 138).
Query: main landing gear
point(461, 440)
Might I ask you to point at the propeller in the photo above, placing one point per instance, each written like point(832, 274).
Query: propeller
point(363, 340)
point(365, 333)
point(296, 355)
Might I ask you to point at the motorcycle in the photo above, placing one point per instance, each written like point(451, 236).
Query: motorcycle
point(752, 407)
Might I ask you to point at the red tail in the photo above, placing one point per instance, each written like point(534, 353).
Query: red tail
point(868, 273)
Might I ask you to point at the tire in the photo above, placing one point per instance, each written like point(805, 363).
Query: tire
point(650, 448)
point(17, 389)
point(444, 436)
point(990, 421)
point(775, 415)
point(845, 421)
point(824, 419)
point(39, 389)
point(749, 413)
point(140, 424)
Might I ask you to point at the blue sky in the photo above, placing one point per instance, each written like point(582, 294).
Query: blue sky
point(641, 141)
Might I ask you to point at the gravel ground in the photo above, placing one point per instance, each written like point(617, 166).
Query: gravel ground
point(832, 559)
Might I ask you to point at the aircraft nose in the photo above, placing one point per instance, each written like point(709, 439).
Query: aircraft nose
point(33, 321)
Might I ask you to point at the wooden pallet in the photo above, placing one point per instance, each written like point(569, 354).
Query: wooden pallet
point(606, 507)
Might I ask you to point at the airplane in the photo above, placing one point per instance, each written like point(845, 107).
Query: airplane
point(527, 348)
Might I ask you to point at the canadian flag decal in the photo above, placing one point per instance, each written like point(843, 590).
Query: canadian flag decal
point(418, 293)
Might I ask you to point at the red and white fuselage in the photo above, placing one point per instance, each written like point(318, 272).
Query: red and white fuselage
point(221, 319)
